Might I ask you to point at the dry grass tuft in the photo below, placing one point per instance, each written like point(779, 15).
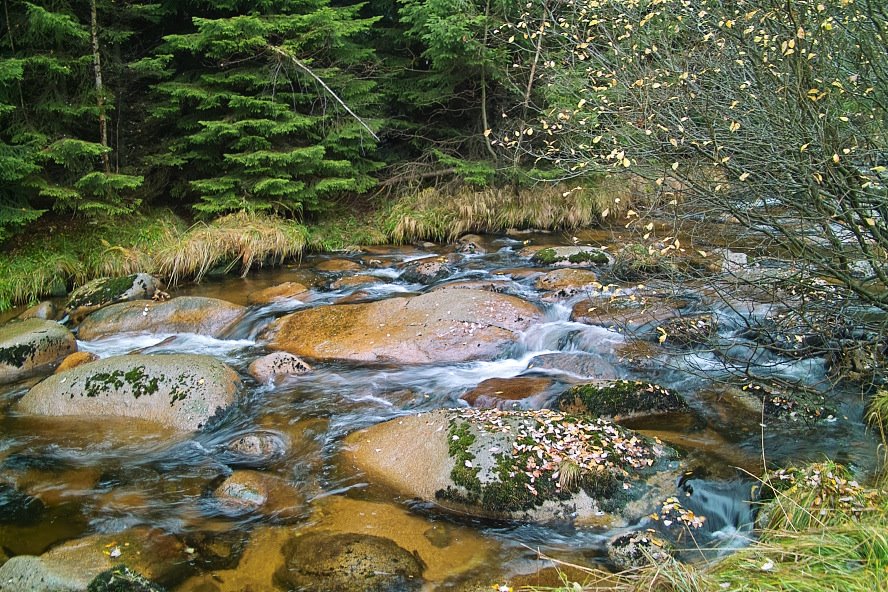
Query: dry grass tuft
point(242, 239)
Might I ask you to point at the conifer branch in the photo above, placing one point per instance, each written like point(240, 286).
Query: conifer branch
point(301, 65)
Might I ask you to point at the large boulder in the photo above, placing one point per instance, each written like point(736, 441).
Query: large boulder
point(71, 566)
point(182, 391)
point(186, 314)
point(521, 465)
point(101, 292)
point(441, 326)
point(32, 346)
point(347, 562)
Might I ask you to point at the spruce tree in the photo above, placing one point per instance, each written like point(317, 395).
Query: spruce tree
point(263, 106)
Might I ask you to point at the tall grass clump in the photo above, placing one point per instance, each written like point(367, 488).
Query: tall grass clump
point(237, 240)
point(58, 254)
point(449, 212)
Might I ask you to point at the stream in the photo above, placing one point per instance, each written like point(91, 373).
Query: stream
point(100, 477)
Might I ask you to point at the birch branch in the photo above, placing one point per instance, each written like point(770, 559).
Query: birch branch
point(299, 64)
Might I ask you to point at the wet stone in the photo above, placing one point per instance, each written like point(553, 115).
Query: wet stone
point(44, 310)
point(254, 450)
point(581, 365)
point(426, 271)
point(348, 563)
point(285, 291)
point(338, 265)
point(637, 549)
point(122, 579)
point(31, 347)
point(104, 291)
point(76, 359)
point(19, 508)
point(276, 367)
point(254, 491)
point(508, 393)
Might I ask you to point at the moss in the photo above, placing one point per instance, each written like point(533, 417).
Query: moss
point(122, 579)
point(17, 355)
point(103, 383)
point(546, 257)
point(595, 257)
point(463, 474)
point(101, 291)
point(621, 397)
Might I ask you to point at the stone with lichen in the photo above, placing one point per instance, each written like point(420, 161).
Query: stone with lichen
point(543, 466)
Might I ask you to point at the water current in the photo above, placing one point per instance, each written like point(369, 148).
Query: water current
point(102, 477)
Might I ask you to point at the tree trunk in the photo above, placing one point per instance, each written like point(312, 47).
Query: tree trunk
point(100, 90)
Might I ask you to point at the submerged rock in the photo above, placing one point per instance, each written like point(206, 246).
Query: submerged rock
point(582, 365)
point(348, 563)
point(32, 346)
point(509, 393)
point(182, 391)
point(338, 265)
point(101, 292)
point(17, 507)
point(276, 367)
point(638, 549)
point(619, 399)
point(71, 566)
point(440, 326)
point(285, 291)
point(626, 312)
point(254, 491)
point(524, 465)
point(185, 314)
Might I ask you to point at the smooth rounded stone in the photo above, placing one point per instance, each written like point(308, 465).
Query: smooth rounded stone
point(470, 244)
point(353, 281)
point(580, 365)
point(577, 256)
point(31, 347)
point(537, 466)
point(71, 566)
point(426, 271)
point(440, 326)
point(520, 392)
point(19, 508)
point(76, 359)
point(46, 310)
point(276, 367)
point(181, 391)
point(254, 449)
point(254, 491)
point(348, 563)
point(567, 282)
point(101, 292)
point(619, 399)
point(497, 285)
point(285, 291)
point(338, 265)
point(122, 579)
point(625, 312)
point(445, 548)
point(185, 314)
point(638, 549)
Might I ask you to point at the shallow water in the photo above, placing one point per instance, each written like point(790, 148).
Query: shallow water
point(100, 476)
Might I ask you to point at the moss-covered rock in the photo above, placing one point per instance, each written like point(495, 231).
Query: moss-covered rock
point(426, 271)
point(31, 347)
point(122, 579)
point(626, 312)
point(181, 391)
point(636, 262)
point(575, 256)
point(348, 562)
point(638, 549)
point(619, 399)
point(186, 314)
point(101, 292)
point(686, 331)
point(527, 465)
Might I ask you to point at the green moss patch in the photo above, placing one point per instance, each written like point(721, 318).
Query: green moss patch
point(791, 404)
point(512, 461)
point(619, 398)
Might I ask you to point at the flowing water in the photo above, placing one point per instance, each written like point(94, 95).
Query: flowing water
point(100, 476)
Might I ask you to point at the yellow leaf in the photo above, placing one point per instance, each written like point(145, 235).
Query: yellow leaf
point(869, 221)
point(804, 147)
point(744, 176)
point(605, 212)
point(702, 253)
point(487, 132)
point(650, 226)
point(626, 163)
point(734, 126)
point(674, 166)
point(836, 158)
